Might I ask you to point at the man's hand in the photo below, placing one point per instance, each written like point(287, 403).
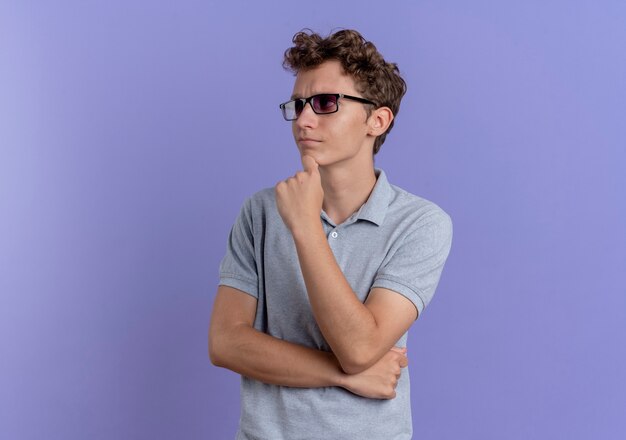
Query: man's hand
point(380, 380)
point(299, 198)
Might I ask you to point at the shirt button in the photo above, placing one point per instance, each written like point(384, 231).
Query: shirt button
point(334, 234)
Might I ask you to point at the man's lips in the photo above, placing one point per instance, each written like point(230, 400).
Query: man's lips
point(307, 140)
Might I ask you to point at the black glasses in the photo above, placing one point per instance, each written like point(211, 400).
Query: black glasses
point(322, 104)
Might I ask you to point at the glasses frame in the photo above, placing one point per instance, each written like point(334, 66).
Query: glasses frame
point(310, 98)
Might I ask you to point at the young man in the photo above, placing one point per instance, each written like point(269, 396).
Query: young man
point(325, 273)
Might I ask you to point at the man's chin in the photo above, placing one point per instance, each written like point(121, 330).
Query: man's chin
point(317, 157)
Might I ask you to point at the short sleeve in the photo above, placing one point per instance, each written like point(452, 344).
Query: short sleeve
point(238, 268)
point(414, 268)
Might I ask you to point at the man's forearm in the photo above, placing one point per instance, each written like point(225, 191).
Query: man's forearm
point(273, 361)
point(260, 356)
point(235, 344)
point(346, 323)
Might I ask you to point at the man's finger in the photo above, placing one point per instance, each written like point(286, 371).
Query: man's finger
point(404, 362)
point(309, 164)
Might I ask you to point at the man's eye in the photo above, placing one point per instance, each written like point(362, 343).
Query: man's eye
point(326, 102)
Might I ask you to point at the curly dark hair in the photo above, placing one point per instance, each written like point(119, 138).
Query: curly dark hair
point(376, 79)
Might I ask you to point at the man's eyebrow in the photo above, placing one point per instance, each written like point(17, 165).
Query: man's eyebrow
point(296, 96)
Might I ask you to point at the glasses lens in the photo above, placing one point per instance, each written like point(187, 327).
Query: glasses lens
point(298, 106)
point(324, 103)
point(289, 110)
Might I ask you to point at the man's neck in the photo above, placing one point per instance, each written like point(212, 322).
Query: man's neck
point(346, 189)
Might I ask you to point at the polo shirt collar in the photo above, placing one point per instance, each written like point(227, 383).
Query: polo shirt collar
point(375, 209)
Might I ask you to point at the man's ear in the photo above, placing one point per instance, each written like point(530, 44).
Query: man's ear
point(379, 121)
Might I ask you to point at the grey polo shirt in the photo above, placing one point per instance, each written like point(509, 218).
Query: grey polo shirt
point(396, 240)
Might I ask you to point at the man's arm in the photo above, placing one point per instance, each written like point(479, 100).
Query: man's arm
point(359, 334)
point(235, 344)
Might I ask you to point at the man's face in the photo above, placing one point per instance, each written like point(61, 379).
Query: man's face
point(334, 138)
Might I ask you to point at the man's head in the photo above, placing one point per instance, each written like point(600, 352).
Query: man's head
point(375, 79)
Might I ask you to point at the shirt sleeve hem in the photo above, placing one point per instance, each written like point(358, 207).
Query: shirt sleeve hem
point(237, 282)
point(403, 288)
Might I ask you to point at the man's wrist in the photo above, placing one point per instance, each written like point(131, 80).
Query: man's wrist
point(341, 378)
point(303, 232)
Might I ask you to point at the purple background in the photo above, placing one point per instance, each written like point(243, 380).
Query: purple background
point(131, 132)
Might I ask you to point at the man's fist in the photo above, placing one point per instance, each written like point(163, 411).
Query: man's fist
point(299, 198)
point(380, 380)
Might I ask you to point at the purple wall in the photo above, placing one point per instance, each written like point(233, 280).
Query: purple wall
point(130, 133)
